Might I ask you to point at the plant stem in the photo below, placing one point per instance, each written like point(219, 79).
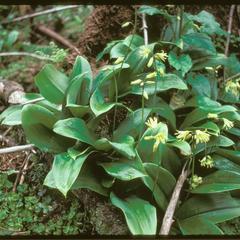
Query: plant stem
point(116, 100)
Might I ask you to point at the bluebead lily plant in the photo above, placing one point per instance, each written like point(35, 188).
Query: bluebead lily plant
point(183, 114)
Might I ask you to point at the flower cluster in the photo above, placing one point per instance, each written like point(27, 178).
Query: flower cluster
point(233, 87)
point(159, 138)
point(162, 56)
point(227, 124)
point(207, 162)
point(195, 181)
point(152, 122)
point(198, 135)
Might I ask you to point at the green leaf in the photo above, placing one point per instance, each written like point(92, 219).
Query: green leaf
point(223, 163)
point(197, 225)
point(78, 94)
point(124, 169)
point(182, 63)
point(38, 123)
point(81, 65)
point(140, 215)
point(219, 181)
point(119, 50)
point(199, 43)
point(149, 10)
point(124, 146)
point(65, 171)
point(200, 85)
point(74, 128)
point(131, 125)
point(160, 182)
point(135, 40)
point(12, 38)
point(90, 178)
point(230, 154)
point(11, 116)
point(168, 81)
point(52, 84)
point(216, 208)
point(183, 146)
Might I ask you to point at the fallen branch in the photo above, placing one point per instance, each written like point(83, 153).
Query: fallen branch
point(39, 13)
point(168, 217)
point(8, 54)
point(50, 33)
point(24, 170)
point(16, 148)
point(229, 28)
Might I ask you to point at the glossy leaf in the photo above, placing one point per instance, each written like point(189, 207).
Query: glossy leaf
point(38, 123)
point(124, 169)
point(74, 128)
point(219, 181)
point(65, 171)
point(131, 125)
point(140, 215)
point(11, 116)
point(52, 84)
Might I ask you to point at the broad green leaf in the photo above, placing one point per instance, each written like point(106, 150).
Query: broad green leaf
point(65, 171)
point(216, 208)
point(183, 146)
point(215, 141)
point(74, 128)
point(124, 146)
point(135, 41)
point(11, 116)
point(197, 225)
point(234, 131)
point(52, 84)
point(209, 61)
point(219, 181)
point(140, 215)
point(230, 154)
point(106, 50)
point(38, 123)
point(168, 81)
point(119, 50)
point(223, 163)
point(209, 24)
point(181, 63)
point(160, 182)
point(199, 43)
point(124, 169)
point(200, 85)
point(81, 65)
point(78, 94)
point(131, 125)
point(90, 178)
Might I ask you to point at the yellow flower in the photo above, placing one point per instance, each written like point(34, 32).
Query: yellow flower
point(201, 136)
point(144, 51)
point(159, 138)
point(150, 62)
point(212, 116)
point(152, 122)
point(183, 135)
point(126, 24)
point(161, 71)
point(151, 75)
point(119, 60)
point(227, 124)
point(207, 162)
point(232, 87)
point(161, 56)
point(145, 94)
point(136, 82)
point(195, 180)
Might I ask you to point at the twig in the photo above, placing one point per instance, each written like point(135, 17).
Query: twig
point(16, 148)
point(39, 13)
point(168, 217)
point(7, 54)
point(229, 28)
point(18, 175)
point(49, 32)
point(23, 172)
point(145, 27)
